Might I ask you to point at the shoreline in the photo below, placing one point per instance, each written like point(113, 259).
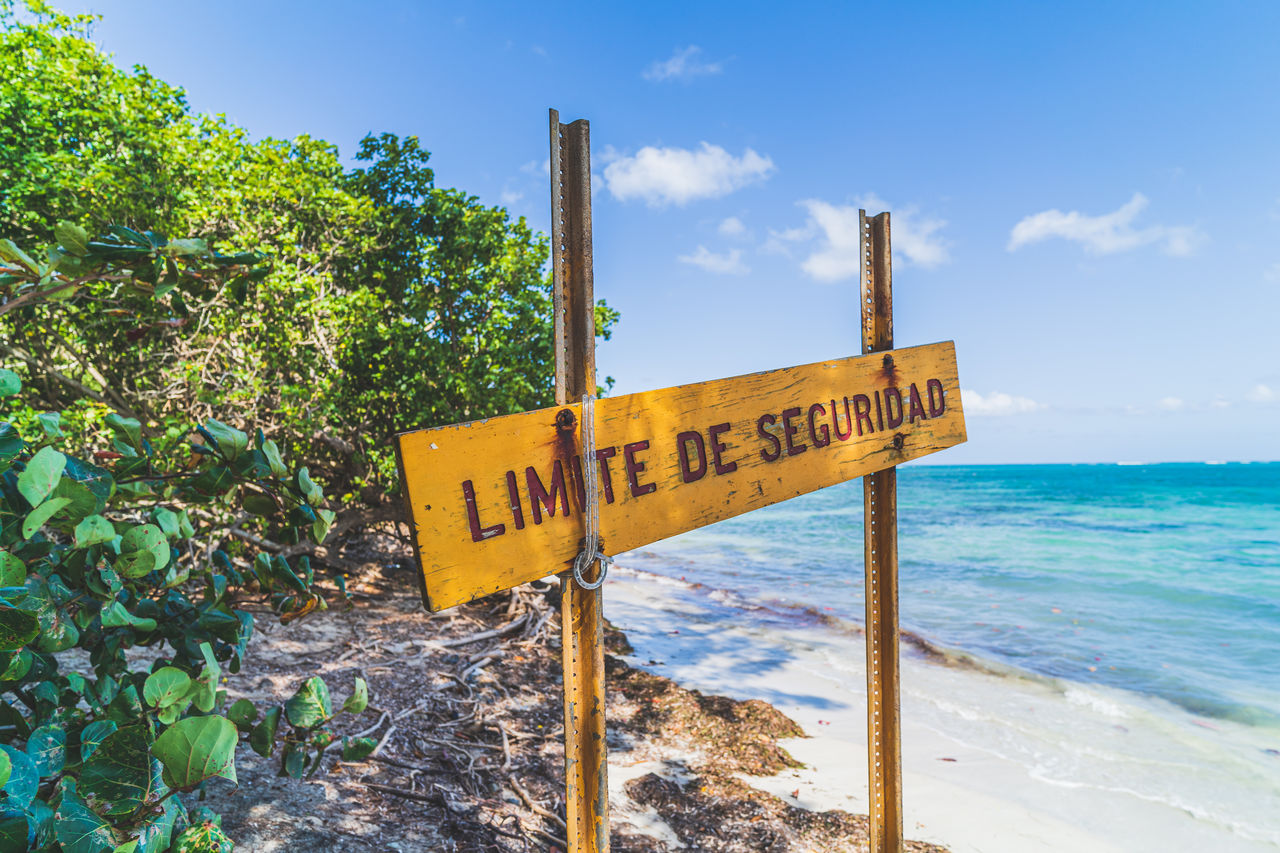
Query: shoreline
point(976, 775)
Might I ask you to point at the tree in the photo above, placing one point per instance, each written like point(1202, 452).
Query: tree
point(390, 304)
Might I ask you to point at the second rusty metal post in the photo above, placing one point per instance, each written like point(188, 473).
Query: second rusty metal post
point(581, 615)
point(880, 525)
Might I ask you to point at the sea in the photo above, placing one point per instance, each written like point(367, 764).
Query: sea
point(1145, 597)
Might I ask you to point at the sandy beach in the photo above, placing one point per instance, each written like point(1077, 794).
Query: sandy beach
point(977, 776)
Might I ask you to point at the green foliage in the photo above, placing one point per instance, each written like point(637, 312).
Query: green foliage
point(152, 391)
point(391, 303)
point(143, 547)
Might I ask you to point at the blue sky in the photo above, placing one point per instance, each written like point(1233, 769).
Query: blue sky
point(1086, 198)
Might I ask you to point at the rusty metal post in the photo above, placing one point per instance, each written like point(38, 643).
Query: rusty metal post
point(582, 619)
point(880, 526)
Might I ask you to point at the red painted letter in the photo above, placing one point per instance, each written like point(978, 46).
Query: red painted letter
point(813, 433)
point(936, 409)
point(683, 440)
point(916, 407)
point(766, 454)
point(789, 431)
point(478, 533)
point(538, 493)
point(634, 468)
point(718, 447)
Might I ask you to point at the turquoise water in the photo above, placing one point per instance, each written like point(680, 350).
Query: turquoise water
point(1163, 579)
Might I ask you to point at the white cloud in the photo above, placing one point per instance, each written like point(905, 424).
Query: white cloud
point(1106, 233)
point(683, 65)
point(510, 197)
point(996, 403)
point(912, 234)
point(679, 175)
point(730, 263)
point(1263, 394)
point(1172, 404)
point(732, 227)
point(915, 237)
point(533, 167)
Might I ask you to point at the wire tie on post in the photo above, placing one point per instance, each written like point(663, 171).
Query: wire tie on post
point(591, 551)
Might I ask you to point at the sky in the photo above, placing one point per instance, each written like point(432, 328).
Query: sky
point(1084, 197)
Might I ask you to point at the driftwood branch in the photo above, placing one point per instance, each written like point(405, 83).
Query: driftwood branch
point(509, 628)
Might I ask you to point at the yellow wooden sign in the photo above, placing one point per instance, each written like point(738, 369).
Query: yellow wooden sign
point(499, 502)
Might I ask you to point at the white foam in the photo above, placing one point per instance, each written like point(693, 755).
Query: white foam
point(1034, 764)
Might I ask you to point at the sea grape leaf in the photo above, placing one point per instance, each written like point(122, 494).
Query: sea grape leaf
point(359, 699)
point(13, 572)
point(263, 736)
point(295, 760)
point(310, 705)
point(358, 749)
point(308, 487)
point(51, 424)
point(15, 828)
point(97, 480)
point(115, 615)
point(196, 749)
point(80, 829)
point(259, 504)
point(231, 441)
point(11, 443)
point(166, 686)
point(47, 749)
point(42, 474)
point(203, 837)
point(59, 634)
point(320, 528)
point(72, 237)
point(38, 516)
point(242, 712)
point(92, 736)
point(142, 539)
point(94, 530)
point(204, 693)
point(23, 779)
point(41, 821)
point(81, 501)
point(17, 627)
point(129, 429)
point(119, 777)
point(18, 665)
point(272, 452)
point(156, 836)
point(167, 521)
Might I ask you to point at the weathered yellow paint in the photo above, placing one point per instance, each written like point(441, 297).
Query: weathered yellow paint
point(436, 463)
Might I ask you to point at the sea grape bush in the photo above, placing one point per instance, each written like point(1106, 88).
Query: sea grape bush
point(123, 553)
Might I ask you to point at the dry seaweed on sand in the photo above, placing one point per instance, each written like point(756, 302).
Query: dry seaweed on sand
point(466, 706)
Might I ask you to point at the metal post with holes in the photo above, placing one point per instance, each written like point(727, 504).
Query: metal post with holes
point(880, 525)
point(586, 771)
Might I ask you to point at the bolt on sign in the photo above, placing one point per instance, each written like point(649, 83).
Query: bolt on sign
point(498, 502)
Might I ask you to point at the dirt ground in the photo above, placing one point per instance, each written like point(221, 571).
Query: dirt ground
point(467, 709)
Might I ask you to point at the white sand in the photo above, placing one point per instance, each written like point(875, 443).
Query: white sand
point(988, 799)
